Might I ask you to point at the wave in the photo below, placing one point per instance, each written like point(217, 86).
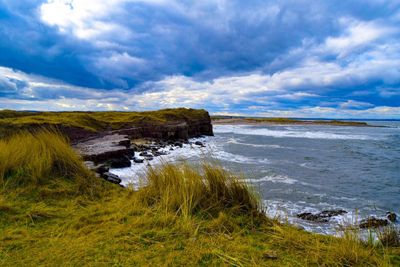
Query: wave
point(226, 156)
point(234, 141)
point(249, 130)
point(274, 179)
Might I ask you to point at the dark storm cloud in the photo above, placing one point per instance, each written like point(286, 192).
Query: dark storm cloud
point(284, 55)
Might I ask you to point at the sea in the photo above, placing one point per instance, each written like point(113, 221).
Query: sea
point(303, 168)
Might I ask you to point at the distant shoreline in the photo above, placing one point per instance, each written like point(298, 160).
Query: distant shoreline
point(286, 121)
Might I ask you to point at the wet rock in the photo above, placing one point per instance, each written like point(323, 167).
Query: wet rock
point(149, 157)
point(122, 162)
point(322, 216)
point(332, 213)
point(199, 143)
point(391, 216)
point(308, 216)
point(179, 144)
point(154, 147)
point(137, 160)
point(111, 177)
point(145, 154)
point(159, 153)
point(373, 222)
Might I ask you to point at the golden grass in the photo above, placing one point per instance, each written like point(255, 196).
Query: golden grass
point(182, 189)
point(181, 217)
point(31, 159)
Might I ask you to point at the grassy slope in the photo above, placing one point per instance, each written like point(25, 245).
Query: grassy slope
point(52, 216)
point(10, 120)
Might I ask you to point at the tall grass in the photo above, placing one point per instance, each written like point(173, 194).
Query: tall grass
point(184, 189)
point(33, 159)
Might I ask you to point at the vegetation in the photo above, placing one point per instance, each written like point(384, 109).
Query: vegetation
point(12, 121)
point(287, 121)
point(55, 212)
point(30, 159)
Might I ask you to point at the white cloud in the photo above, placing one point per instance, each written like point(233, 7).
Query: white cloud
point(89, 19)
point(357, 35)
point(351, 104)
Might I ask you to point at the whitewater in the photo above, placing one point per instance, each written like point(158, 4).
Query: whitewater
point(303, 168)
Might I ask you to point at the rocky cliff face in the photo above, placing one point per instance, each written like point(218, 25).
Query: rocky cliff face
point(171, 130)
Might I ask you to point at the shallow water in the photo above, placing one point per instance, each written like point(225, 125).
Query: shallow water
point(307, 168)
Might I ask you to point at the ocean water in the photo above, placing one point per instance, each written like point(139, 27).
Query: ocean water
point(306, 168)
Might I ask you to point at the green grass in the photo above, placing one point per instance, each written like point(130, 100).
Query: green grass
point(12, 121)
point(53, 212)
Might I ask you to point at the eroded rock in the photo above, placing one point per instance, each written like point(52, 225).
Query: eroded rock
point(110, 177)
point(321, 217)
point(122, 162)
point(373, 222)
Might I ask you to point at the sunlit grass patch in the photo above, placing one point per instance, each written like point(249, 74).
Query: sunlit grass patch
point(36, 159)
point(185, 190)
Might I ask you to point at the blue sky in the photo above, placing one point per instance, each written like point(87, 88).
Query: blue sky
point(291, 58)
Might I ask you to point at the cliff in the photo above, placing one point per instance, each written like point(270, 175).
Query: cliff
point(167, 124)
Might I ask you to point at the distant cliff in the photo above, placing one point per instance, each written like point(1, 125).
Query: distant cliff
point(180, 123)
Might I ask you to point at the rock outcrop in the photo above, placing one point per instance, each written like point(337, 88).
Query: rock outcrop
point(105, 148)
point(372, 222)
point(320, 217)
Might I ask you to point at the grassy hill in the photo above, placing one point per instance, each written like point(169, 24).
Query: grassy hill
point(54, 212)
point(12, 121)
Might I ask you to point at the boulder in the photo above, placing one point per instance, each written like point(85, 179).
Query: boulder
point(144, 154)
point(137, 160)
point(111, 177)
point(308, 216)
point(322, 216)
point(159, 153)
point(373, 222)
point(332, 213)
point(122, 162)
point(179, 144)
point(199, 143)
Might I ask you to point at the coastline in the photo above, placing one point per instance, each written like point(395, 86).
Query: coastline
point(285, 121)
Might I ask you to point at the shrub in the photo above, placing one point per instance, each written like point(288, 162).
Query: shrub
point(389, 236)
point(183, 189)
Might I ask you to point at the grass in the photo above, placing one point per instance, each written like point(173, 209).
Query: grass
point(31, 159)
point(11, 121)
point(181, 217)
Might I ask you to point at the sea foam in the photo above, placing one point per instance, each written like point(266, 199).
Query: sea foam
point(287, 133)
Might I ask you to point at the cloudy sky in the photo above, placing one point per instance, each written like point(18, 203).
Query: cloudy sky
point(292, 58)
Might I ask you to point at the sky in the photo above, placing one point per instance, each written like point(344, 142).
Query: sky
point(273, 58)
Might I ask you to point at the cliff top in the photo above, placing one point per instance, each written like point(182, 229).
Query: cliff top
point(11, 120)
